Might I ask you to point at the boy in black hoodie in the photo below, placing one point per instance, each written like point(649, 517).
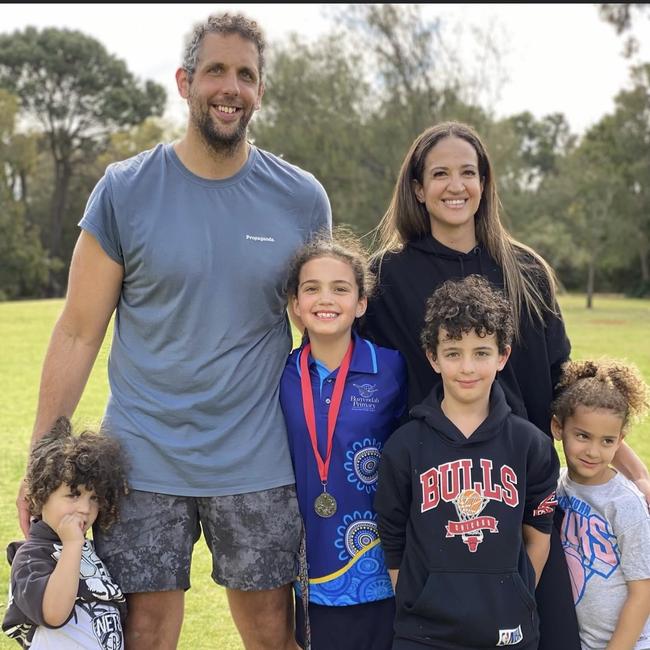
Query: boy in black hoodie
point(466, 489)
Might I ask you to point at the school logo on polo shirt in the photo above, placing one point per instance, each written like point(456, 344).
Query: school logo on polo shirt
point(366, 390)
point(364, 400)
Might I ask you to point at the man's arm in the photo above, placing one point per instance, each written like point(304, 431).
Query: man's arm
point(633, 616)
point(94, 286)
point(632, 467)
point(537, 546)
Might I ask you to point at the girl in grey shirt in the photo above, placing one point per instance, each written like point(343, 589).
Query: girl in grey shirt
point(605, 530)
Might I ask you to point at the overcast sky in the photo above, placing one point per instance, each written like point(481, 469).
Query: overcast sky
point(557, 57)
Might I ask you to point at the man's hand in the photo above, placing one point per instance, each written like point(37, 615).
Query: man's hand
point(643, 484)
point(22, 506)
point(633, 468)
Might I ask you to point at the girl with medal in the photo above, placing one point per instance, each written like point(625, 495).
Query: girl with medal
point(342, 396)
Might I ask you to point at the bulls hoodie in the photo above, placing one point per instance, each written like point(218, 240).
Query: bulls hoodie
point(450, 514)
point(395, 318)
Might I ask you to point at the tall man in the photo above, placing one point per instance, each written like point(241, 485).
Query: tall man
point(189, 243)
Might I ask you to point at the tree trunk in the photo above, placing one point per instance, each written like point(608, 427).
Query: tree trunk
point(23, 187)
point(62, 177)
point(645, 270)
point(591, 272)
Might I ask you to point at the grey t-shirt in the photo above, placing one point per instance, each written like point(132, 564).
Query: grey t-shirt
point(201, 333)
point(606, 539)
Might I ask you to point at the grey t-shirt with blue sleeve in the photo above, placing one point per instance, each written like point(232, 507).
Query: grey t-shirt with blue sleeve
point(201, 334)
point(606, 535)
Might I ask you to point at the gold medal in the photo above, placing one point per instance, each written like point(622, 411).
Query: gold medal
point(325, 505)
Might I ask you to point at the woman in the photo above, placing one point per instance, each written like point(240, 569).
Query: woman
point(443, 223)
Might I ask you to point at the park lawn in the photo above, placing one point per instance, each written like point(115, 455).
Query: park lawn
point(615, 327)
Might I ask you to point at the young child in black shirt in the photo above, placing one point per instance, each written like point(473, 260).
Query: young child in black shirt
point(61, 594)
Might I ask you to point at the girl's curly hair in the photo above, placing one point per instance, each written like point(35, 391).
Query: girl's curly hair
point(92, 460)
point(602, 384)
point(462, 306)
point(342, 245)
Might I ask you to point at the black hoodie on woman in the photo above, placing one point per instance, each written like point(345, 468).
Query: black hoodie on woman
point(450, 515)
point(395, 318)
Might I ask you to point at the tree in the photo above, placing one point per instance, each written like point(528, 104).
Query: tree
point(619, 15)
point(583, 205)
point(129, 142)
point(403, 54)
point(313, 117)
point(348, 106)
point(25, 265)
point(627, 136)
point(78, 94)
point(586, 196)
point(19, 151)
point(541, 144)
point(413, 69)
point(526, 153)
point(416, 81)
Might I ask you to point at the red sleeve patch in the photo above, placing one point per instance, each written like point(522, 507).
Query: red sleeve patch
point(546, 506)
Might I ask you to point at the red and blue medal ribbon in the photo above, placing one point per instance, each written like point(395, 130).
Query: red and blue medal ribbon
point(333, 412)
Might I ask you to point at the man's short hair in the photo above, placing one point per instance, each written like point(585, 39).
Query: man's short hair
point(223, 23)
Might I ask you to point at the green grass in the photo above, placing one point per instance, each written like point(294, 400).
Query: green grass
point(615, 327)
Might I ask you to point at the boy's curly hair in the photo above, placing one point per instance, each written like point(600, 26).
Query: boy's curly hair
point(602, 384)
point(92, 460)
point(462, 306)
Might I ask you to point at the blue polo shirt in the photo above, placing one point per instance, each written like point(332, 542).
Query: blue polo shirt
point(346, 563)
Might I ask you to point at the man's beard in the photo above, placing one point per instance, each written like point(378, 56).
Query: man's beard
point(224, 144)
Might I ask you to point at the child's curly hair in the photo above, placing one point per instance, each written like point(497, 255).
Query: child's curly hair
point(92, 460)
point(462, 306)
point(602, 384)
